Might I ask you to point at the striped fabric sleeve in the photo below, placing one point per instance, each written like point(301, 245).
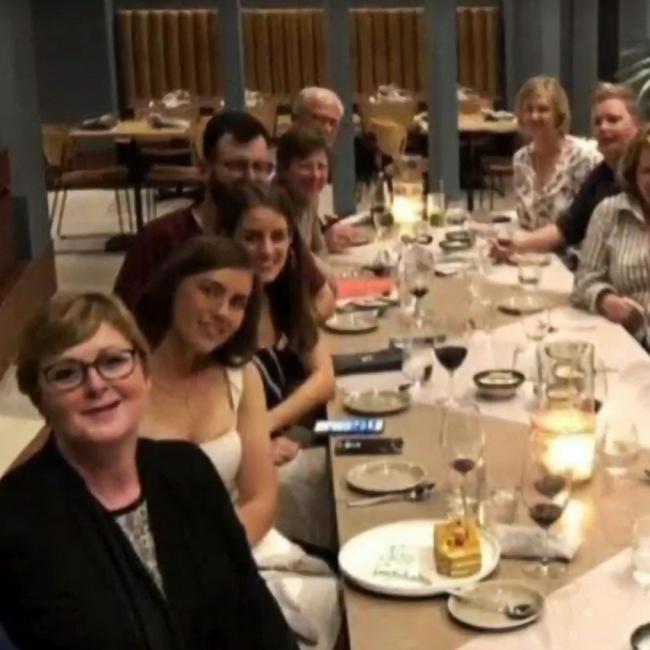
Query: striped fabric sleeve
point(592, 276)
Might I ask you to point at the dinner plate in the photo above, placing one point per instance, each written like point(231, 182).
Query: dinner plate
point(377, 402)
point(360, 557)
point(498, 592)
point(386, 476)
point(519, 305)
point(356, 322)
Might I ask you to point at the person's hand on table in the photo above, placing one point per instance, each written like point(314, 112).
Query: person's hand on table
point(340, 236)
point(503, 248)
point(283, 450)
point(622, 310)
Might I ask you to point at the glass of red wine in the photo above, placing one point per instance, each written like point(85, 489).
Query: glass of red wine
point(546, 491)
point(464, 441)
point(419, 270)
point(450, 344)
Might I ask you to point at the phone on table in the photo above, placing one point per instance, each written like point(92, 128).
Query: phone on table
point(368, 446)
point(355, 427)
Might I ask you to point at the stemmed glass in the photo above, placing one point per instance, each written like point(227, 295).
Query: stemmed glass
point(419, 270)
point(450, 344)
point(463, 440)
point(546, 490)
point(417, 362)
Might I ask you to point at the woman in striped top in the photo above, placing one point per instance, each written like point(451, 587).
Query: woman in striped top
point(613, 278)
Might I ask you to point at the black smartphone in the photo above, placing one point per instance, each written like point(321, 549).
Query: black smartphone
point(368, 446)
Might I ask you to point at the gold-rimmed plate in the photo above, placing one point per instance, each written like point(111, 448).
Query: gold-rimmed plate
point(386, 476)
point(355, 322)
point(377, 402)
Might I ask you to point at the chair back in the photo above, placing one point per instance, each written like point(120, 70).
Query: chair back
point(400, 112)
point(266, 111)
point(56, 145)
point(391, 137)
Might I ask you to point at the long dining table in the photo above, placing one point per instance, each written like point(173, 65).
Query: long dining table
point(596, 517)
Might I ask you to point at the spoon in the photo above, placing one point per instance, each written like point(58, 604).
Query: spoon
point(513, 610)
point(418, 493)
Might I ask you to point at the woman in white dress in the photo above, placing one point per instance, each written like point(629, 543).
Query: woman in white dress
point(201, 315)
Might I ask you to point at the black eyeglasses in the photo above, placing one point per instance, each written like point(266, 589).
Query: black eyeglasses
point(259, 168)
point(110, 365)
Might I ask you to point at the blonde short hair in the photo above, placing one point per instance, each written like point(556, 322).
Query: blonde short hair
point(551, 88)
point(69, 319)
point(606, 90)
point(630, 162)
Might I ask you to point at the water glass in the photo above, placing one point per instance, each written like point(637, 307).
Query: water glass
point(619, 446)
point(641, 550)
point(529, 274)
point(417, 362)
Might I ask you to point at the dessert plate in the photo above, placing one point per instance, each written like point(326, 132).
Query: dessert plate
point(498, 592)
point(386, 476)
point(411, 542)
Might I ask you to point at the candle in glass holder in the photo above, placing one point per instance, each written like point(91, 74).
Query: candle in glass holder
point(571, 442)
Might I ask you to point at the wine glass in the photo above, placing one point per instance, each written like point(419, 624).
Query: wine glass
point(417, 362)
point(546, 490)
point(450, 346)
point(382, 219)
point(418, 274)
point(463, 440)
point(529, 274)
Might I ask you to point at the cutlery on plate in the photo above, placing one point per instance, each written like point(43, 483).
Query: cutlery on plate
point(513, 610)
point(418, 493)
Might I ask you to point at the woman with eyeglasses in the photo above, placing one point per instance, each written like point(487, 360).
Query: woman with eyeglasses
point(200, 316)
point(109, 540)
point(292, 358)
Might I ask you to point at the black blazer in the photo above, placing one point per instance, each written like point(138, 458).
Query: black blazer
point(60, 586)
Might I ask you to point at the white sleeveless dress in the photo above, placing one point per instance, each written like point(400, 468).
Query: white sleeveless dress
point(296, 579)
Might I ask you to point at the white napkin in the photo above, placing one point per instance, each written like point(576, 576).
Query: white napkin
point(521, 541)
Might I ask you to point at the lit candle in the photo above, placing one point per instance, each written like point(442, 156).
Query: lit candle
point(571, 442)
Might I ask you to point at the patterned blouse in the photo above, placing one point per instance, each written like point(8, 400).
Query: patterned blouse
point(615, 255)
point(537, 206)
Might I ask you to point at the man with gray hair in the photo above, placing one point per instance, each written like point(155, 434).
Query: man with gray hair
point(321, 109)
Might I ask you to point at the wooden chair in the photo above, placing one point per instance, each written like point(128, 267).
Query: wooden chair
point(494, 171)
point(391, 137)
point(266, 112)
point(399, 112)
point(59, 153)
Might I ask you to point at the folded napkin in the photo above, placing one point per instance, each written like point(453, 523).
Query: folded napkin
point(363, 287)
point(159, 121)
point(522, 541)
point(300, 625)
point(364, 362)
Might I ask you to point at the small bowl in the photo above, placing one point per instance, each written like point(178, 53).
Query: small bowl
point(459, 235)
point(455, 246)
point(498, 383)
point(500, 218)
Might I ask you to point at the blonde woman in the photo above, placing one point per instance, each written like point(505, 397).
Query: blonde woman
point(549, 171)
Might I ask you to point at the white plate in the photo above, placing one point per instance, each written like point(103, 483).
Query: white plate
point(355, 322)
point(386, 476)
point(359, 557)
point(498, 592)
point(521, 304)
